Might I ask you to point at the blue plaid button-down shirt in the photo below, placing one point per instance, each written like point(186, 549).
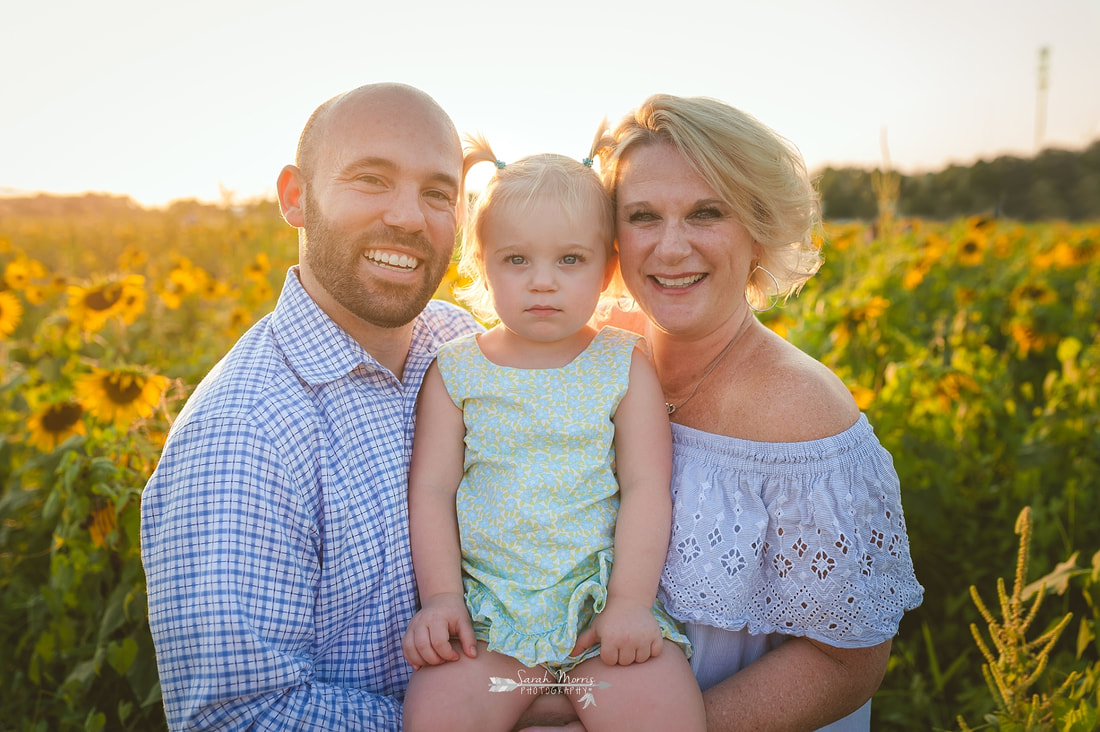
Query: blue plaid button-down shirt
point(274, 530)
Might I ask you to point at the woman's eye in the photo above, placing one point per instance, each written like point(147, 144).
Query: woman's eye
point(640, 217)
point(707, 213)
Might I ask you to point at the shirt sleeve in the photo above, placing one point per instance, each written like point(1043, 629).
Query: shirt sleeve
point(232, 557)
point(804, 538)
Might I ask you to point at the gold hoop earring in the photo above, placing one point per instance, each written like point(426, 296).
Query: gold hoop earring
point(774, 281)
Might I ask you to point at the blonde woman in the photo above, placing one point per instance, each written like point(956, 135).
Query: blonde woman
point(788, 561)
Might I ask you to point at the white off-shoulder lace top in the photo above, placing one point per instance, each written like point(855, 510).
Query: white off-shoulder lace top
point(772, 540)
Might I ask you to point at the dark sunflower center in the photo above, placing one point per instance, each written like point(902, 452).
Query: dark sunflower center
point(103, 298)
point(1032, 293)
point(122, 394)
point(60, 417)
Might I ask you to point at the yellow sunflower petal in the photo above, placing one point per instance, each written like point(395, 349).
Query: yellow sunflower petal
point(55, 423)
point(11, 313)
point(121, 396)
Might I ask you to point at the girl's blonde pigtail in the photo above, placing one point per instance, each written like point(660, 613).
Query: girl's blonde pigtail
point(600, 143)
point(476, 150)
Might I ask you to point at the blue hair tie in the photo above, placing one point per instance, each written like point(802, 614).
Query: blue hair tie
point(500, 164)
point(587, 162)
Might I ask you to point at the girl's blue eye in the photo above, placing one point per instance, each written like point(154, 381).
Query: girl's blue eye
point(570, 259)
point(516, 259)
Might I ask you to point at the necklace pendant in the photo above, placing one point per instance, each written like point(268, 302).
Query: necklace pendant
point(670, 407)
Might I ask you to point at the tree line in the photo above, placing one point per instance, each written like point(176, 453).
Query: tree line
point(1055, 184)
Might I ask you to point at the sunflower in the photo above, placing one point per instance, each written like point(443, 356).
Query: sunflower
point(863, 396)
point(1028, 339)
point(1032, 293)
point(57, 284)
point(971, 250)
point(934, 247)
point(121, 395)
point(1064, 255)
point(966, 295)
point(216, 290)
point(132, 259)
point(55, 423)
point(981, 223)
point(259, 267)
point(914, 276)
point(1087, 251)
point(35, 294)
point(843, 238)
point(780, 325)
point(94, 305)
point(240, 318)
point(1073, 253)
point(184, 279)
point(258, 293)
point(871, 310)
point(956, 384)
point(11, 312)
point(1003, 245)
point(102, 524)
point(17, 274)
point(171, 294)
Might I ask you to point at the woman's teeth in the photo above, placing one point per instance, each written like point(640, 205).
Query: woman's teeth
point(678, 281)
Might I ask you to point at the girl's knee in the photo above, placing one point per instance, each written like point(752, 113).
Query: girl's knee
point(660, 693)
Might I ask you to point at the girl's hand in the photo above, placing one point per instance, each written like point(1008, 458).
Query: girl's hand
point(427, 640)
point(627, 632)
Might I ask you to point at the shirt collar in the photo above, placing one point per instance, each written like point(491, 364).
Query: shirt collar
point(319, 350)
point(316, 348)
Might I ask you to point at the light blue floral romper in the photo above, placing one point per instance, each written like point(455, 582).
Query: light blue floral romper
point(538, 499)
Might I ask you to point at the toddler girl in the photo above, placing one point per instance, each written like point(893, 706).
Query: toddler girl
point(539, 485)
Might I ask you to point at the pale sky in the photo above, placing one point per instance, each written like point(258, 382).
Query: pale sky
point(165, 101)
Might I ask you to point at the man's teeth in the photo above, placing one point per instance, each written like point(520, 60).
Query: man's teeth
point(678, 281)
point(400, 261)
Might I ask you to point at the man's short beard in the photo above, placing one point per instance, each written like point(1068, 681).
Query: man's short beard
point(334, 260)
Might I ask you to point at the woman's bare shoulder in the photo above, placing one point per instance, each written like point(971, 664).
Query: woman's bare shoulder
point(795, 397)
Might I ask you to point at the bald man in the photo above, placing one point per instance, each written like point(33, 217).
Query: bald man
point(274, 530)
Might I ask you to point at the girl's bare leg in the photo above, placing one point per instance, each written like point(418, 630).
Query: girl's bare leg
point(455, 695)
point(659, 694)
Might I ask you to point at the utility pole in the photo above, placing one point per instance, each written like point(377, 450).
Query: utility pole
point(1041, 101)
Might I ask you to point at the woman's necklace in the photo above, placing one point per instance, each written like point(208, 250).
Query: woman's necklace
point(714, 364)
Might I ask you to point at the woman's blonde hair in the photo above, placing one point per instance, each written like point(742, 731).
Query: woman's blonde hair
point(520, 185)
point(757, 172)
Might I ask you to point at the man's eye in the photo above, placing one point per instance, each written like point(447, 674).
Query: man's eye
point(441, 196)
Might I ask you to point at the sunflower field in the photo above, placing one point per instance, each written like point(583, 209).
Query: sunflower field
point(973, 346)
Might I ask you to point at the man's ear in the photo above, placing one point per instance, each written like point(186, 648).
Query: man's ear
point(289, 186)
